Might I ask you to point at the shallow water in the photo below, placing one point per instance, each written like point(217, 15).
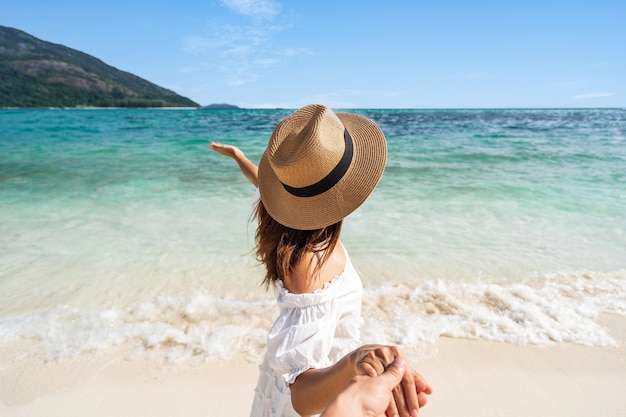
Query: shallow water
point(120, 226)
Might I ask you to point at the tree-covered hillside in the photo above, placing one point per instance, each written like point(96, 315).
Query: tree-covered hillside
point(36, 73)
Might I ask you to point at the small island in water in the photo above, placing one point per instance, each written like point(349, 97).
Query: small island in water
point(221, 106)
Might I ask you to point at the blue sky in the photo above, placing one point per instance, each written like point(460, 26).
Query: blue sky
point(352, 54)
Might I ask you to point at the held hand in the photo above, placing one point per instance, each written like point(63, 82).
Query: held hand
point(410, 394)
point(367, 396)
point(372, 360)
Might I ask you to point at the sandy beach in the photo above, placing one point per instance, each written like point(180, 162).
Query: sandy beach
point(471, 378)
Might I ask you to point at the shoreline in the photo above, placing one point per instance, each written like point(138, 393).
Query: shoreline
point(470, 377)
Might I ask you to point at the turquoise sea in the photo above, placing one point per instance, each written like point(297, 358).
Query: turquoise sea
point(121, 229)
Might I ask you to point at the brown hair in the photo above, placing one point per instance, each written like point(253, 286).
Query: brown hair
point(279, 248)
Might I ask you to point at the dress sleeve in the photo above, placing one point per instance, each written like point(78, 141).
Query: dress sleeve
point(301, 338)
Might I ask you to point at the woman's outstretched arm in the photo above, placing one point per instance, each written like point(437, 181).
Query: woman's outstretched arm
point(248, 168)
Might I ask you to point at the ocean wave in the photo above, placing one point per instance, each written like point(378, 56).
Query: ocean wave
point(559, 308)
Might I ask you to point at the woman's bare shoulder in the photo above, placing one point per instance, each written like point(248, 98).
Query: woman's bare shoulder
point(303, 279)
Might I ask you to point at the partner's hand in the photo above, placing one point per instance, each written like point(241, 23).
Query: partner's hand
point(410, 394)
point(367, 396)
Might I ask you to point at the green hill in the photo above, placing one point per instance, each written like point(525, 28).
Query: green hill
point(36, 73)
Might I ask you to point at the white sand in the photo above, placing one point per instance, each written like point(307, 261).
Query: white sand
point(471, 378)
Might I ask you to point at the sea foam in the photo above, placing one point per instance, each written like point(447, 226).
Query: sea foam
point(560, 308)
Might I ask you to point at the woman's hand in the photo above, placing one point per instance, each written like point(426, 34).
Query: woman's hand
point(226, 150)
point(410, 394)
point(249, 169)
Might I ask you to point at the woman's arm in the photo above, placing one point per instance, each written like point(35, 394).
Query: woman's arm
point(314, 389)
point(248, 168)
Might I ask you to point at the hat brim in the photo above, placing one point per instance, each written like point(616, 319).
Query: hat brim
point(364, 173)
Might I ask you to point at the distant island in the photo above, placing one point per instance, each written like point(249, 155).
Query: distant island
point(35, 73)
point(221, 106)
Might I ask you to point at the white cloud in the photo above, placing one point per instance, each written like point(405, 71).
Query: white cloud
point(256, 8)
point(239, 81)
point(266, 62)
point(291, 52)
point(592, 95)
point(198, 44)
point(227, 39)
point(238, 50)
point(241, 50)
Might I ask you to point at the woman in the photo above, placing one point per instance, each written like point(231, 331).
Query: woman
point(319, 166)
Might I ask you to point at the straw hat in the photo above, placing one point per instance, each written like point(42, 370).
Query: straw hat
point(320, 166)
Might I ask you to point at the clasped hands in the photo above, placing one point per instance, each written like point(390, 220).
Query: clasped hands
point(410, 394)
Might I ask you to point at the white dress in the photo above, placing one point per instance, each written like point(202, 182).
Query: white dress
point(312, 330)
